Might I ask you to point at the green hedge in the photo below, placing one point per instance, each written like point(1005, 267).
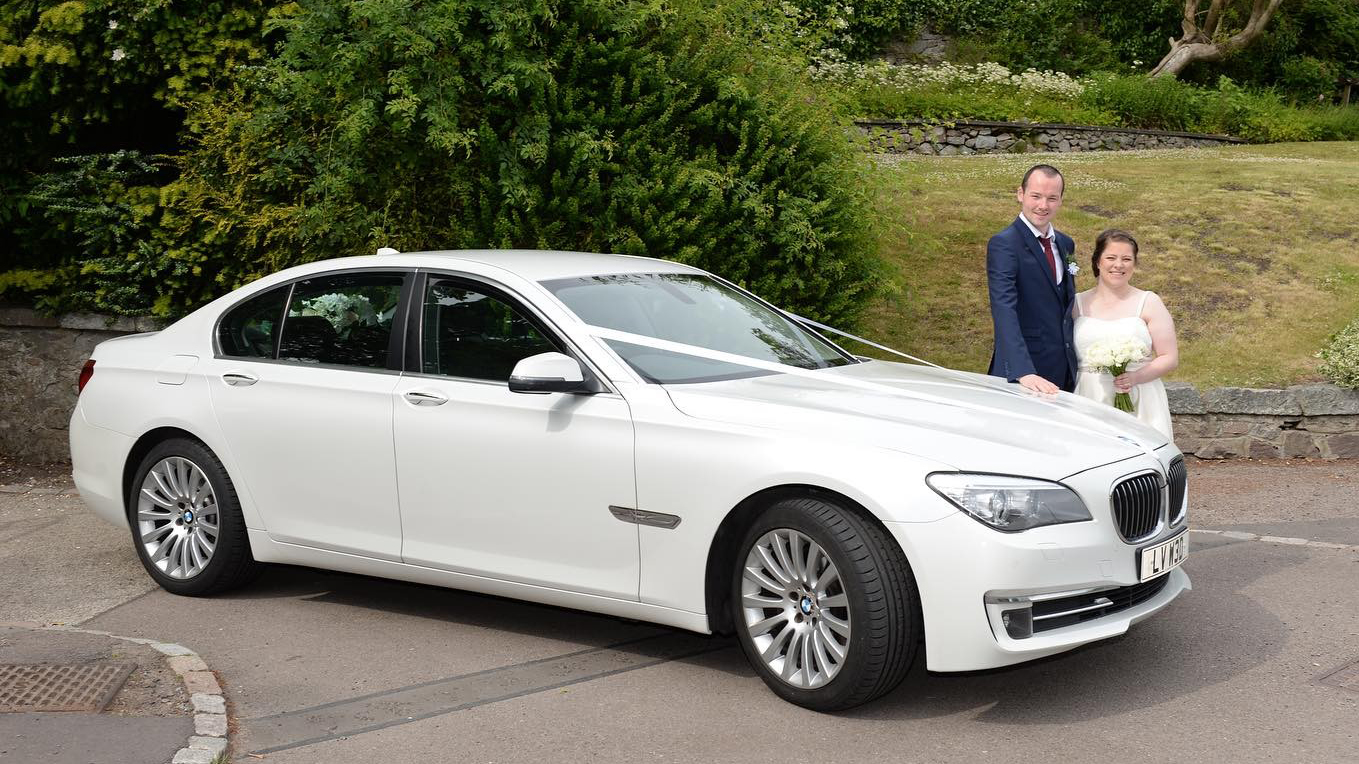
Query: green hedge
point(1135, 101)
point(1257, 116)
point(682, 130)
point(105, 211)
point(98, 77)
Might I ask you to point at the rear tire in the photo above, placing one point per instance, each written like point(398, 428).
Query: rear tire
point(824, 605)
point(186, 521)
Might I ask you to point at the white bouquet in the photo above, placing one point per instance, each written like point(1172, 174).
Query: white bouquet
point(1112, 355)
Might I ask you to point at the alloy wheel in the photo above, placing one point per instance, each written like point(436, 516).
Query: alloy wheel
point(177, 518)
point(795, 608)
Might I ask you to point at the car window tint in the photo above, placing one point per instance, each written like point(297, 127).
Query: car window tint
point(468, 333)
point(344, 320)
point(250, 330)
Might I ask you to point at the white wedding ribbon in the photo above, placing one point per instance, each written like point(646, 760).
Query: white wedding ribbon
point(1145, 449)
point(1100, 428)
point(857, 338)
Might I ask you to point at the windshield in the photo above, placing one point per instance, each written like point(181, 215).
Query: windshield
point(694, 310)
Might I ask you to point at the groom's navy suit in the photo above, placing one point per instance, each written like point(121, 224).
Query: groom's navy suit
point(1031, 312)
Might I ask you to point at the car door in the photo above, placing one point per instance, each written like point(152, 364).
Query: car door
point(302, 388)
point(512, 486)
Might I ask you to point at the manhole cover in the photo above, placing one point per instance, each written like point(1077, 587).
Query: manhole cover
point(1346, 677)
point(82, 687)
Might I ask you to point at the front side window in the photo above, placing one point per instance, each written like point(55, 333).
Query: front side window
point(692, 309)
point(250, 330)
point(475, 334)
point(344, 320)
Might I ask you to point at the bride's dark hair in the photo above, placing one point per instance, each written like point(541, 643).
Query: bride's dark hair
point(1102, 242)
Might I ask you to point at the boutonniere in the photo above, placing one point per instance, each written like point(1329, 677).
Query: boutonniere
point(1071, 266)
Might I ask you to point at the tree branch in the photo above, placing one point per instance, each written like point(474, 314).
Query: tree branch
point(1203, 43)
point(1213, 21)
point(1259, 17)
point(1191, 9)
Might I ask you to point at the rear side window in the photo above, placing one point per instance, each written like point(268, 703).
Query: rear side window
point(250, 330)
point(474, 334)
point(344, 320)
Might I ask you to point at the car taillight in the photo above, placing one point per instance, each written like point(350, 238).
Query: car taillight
point(86, 372)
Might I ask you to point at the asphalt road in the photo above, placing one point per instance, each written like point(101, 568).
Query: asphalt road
point(323, 667)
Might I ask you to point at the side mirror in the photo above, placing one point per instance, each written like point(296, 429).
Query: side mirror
point(550, 373)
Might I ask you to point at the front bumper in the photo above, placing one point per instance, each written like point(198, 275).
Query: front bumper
point(963, 569)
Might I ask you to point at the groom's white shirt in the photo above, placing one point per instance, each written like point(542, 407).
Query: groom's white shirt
point(1037, 235)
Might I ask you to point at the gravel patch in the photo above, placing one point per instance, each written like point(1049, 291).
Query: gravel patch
point(1253, 491)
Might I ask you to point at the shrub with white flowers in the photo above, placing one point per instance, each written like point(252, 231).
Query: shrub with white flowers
point(834, 69)
point(1340, 357)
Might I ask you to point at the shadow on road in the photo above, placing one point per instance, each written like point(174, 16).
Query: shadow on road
point(1161, 659)
point(478, 610)
point(1205, 637)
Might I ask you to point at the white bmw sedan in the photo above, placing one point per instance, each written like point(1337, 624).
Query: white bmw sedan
point(634, 437)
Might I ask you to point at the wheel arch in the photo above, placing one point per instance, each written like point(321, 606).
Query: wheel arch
point(230, 562)
point(149, 440)
point(724, 547)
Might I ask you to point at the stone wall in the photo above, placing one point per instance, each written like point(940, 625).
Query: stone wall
point(928, 47)
point(1305, 421)
point(40, 362)
point(961, 138)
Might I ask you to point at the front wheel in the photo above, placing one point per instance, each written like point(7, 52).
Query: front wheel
point(186, 521)
point(824, 605)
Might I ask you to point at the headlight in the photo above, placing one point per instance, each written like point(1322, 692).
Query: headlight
point(1010, 503)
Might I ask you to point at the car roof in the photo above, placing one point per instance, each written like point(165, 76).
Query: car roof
point(529, 264)
point(538, 265)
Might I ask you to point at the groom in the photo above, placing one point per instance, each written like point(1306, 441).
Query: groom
point(1032, 290)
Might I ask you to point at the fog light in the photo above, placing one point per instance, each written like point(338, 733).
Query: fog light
point(1018, 623)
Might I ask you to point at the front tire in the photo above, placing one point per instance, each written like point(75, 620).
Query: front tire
point(824, 604)
point(186, 521)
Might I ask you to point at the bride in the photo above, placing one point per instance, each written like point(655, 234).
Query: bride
point(1115, 308)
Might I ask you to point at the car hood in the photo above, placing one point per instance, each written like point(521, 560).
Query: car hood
point(971, 422)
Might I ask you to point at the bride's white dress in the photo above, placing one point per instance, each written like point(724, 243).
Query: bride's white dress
point(1149, 398)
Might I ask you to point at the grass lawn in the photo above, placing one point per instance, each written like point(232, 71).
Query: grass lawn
point(1255, 249)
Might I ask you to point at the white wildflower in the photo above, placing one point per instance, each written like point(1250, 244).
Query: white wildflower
point(906, 77)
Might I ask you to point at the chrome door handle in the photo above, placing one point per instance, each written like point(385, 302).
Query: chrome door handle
point(426, 399)
point(237, 379)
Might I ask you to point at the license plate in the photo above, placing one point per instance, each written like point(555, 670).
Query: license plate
point(1155, 560)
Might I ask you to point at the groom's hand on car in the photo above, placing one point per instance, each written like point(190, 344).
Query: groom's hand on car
point(1037, 384)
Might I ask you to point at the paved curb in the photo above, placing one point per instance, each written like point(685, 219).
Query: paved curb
point(209, 719)
point(1289, 540)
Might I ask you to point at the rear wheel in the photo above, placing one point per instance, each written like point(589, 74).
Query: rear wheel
point(186, 521)
point(824, 605)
